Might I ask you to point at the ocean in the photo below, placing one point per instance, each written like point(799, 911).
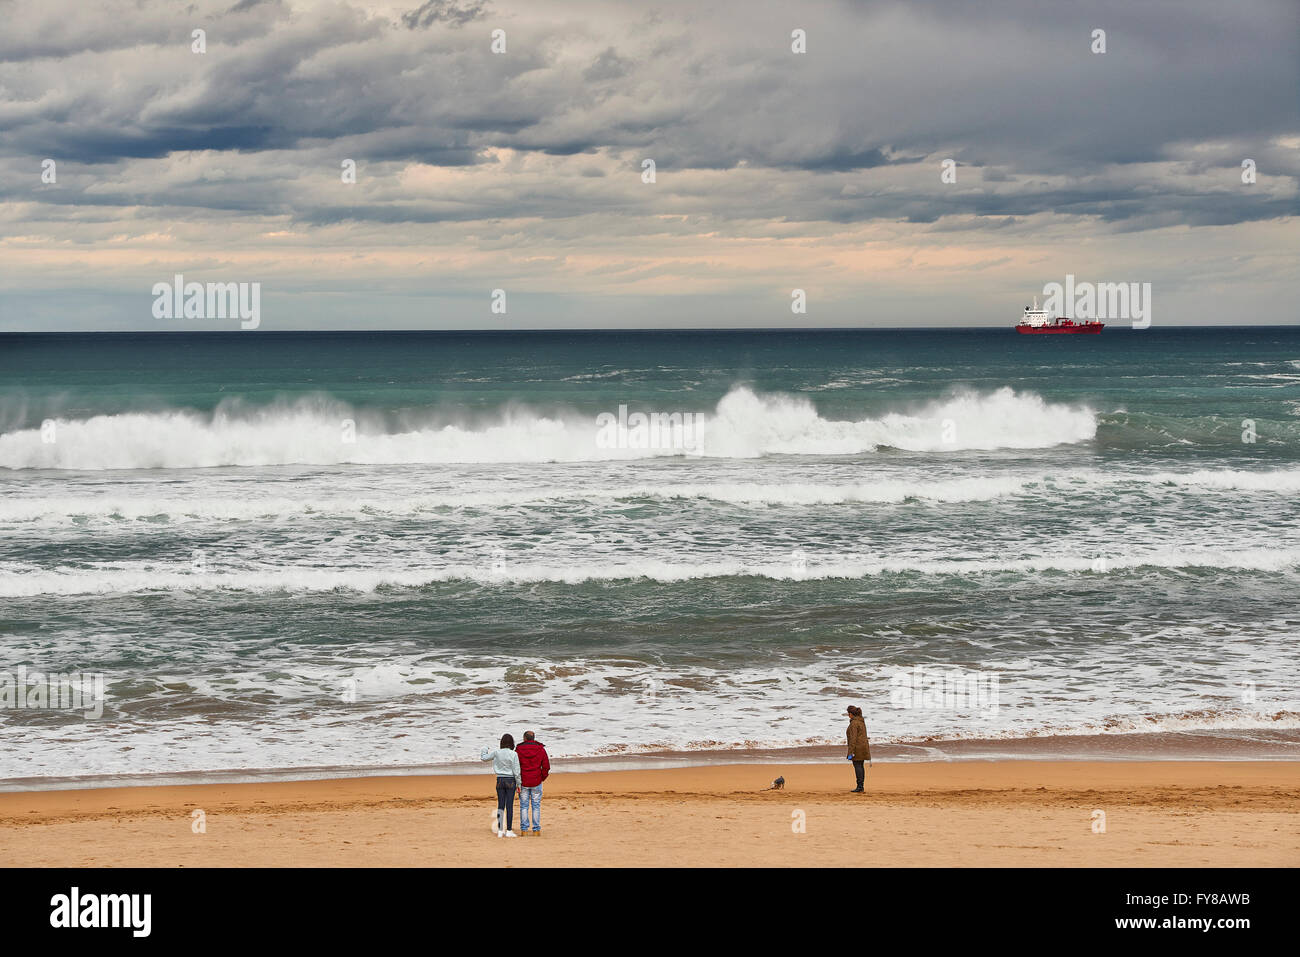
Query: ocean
point(380, 551)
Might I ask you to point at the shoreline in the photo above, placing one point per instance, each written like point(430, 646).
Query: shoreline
point(1209, 745)
point(947, 813)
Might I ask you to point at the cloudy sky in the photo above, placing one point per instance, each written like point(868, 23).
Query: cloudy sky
point(523, 170)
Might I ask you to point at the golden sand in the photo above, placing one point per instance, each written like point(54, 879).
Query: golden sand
point(973, 813)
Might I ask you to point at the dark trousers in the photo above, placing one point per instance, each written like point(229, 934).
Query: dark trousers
point(859, 772)
point(506, 802)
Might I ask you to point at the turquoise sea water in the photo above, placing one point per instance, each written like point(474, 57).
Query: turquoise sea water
point(376, 550)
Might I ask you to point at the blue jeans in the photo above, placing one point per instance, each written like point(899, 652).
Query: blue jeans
point(530, 796)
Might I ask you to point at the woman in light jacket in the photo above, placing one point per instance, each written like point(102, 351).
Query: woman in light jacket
point(506, 765)
point(859, 746)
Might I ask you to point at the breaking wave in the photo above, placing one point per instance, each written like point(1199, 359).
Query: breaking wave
point(744, 424)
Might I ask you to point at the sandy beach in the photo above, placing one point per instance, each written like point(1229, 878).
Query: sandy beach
point(976, 813)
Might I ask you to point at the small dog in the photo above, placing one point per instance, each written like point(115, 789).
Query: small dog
point(777, 785)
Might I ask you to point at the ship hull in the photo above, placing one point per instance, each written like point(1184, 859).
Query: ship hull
point(1083, 328)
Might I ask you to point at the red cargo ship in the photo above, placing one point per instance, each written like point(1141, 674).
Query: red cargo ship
point(1037, 322)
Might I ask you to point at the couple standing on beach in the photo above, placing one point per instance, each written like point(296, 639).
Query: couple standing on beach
point(524, 768)
point(527, 767)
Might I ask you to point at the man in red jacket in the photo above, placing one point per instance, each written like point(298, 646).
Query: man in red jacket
point(534, 766)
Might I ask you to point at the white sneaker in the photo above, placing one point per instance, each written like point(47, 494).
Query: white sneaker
point(511, 834)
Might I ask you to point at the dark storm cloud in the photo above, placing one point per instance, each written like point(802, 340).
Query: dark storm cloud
point(109, 145)
point(608, 66)
point(1009, 88)
point(34, 30)
point(444, 11)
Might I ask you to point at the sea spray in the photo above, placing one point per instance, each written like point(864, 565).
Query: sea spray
point(744, 424)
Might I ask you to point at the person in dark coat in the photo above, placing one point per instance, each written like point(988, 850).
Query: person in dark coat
point(859, 746)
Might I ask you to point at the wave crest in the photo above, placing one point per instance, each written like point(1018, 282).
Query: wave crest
point(744, 424)
point(21, 580)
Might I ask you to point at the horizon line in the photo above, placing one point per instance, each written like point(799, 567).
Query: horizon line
point(601, 329)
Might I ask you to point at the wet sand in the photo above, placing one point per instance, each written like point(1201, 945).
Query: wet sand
point(968, 813)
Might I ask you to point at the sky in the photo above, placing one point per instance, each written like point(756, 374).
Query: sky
point(524, 169)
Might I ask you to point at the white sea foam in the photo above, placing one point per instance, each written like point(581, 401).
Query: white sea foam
point(18, 580)
point(212, 503)
point(742, 425)
point(115, 506)
point(1275, 480)
point(595, 707)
